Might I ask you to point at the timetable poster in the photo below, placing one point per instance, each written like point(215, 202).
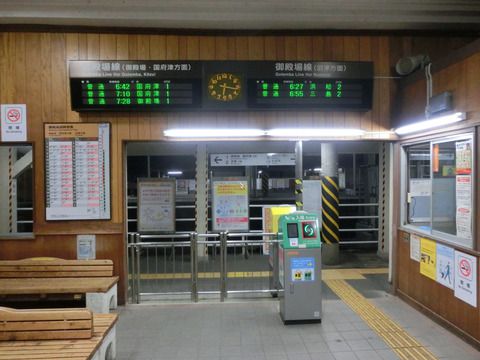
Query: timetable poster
point(77, 171)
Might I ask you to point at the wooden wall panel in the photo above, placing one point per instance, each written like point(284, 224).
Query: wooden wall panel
point(34, 70)
point(432, 296)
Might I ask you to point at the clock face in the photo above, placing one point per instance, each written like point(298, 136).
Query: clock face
point(224, 87)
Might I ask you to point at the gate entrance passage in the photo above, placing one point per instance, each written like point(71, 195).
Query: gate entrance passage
point(163, 263)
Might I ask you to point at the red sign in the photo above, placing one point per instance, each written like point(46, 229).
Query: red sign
point(465, 268)
point(14, 115)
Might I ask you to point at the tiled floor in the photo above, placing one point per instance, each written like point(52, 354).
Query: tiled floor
point(253, 330)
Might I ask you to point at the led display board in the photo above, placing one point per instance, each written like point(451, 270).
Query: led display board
point(220, 85)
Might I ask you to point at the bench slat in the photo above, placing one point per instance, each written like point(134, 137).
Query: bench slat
point(8, 314)
point(27, 286)
point(45, 335)
point(55, 267)
point(35, 262)
point(54, 274)
point(46, 325)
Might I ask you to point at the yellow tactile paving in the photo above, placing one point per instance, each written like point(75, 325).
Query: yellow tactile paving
point(327, 274)
point(404, 345)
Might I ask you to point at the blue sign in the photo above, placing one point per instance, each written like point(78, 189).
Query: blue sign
point(303, 268)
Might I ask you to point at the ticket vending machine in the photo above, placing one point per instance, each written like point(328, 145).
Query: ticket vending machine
point(299, 265)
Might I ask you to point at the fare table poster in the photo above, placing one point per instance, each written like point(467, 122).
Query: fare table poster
point(156, 205)
point(230, 204)
point(77, 171)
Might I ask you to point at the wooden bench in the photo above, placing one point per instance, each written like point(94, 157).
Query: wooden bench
point(91, 340)
point(48, 276)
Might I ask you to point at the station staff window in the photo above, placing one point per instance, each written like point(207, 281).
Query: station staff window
point(16, 190)
point(440, 183)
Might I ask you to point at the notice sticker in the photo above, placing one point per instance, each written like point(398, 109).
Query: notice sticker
point(303, 268)
point(466, 278)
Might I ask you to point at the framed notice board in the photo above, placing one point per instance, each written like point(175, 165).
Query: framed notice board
point(77, 171)
point(156, 205)
point(158, 85)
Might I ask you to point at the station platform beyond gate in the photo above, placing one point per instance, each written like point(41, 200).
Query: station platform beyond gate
point(360, 320)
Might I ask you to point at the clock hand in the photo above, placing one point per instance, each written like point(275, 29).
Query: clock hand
point(228, 87)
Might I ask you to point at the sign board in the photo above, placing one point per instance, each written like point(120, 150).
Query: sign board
point(445, 265)
point(463, 196)
point(270, 215)
point(463, 157)
point(415, 247)
point(230, 204)
point(466, 278)
point(428, 258)
point(312, 197)
point(13, 122)
point(86, 247)
point(159, 85)
point(274, 159)
point(77, 171)
point(156, 205)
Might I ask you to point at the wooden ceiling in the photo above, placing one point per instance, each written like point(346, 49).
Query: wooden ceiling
point(450, 15)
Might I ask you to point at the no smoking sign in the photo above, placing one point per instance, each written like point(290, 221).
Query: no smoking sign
point(14, 115)
point(465, 268)
point(13, 122)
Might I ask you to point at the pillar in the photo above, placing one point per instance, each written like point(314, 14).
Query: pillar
point(201, 196)
point(330, 205)
point(299, 175)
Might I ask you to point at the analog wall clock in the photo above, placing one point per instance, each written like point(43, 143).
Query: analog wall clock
point(224, 87)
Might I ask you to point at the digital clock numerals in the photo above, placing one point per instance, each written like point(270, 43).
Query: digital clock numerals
point(304, 89)
point(129, 93)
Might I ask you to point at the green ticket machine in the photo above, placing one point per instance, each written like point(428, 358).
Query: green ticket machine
point(299, 265)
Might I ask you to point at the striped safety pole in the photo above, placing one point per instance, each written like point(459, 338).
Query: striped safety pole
point(330, 210)
point(10, 189)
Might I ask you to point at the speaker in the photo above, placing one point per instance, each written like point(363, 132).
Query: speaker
point(409, 64)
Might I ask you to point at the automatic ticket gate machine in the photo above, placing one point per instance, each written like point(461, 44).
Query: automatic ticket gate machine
point(299, 262)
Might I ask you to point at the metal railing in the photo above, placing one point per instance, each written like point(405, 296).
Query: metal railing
point(191, 264)
point(362, 229)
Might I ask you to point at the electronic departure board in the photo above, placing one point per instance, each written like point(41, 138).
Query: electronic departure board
point(328, 93)
point(220, 85)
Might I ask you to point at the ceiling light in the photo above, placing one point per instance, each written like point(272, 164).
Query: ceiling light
point(431, 123)
point(213, 133)
point(175, 172)
point(314, 132)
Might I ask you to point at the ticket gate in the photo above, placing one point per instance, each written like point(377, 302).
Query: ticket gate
point(299, 262)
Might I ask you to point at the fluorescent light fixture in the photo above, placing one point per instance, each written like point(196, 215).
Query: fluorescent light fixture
point(213, 133)
point(317, 169)
point(175, 172)
point(314, 132)
point(431, 123)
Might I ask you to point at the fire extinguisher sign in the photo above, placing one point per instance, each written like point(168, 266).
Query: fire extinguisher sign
point(13, 122)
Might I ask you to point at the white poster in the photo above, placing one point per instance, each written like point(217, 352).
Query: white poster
point(77, 171)
point(156, 205)
point(312, 197)
point(230, 205)
point(13, 122)
point(445, 261)
point(466, 278)
point(86, 247)
point(420, 187)
point(463, 194)
point(415, 247)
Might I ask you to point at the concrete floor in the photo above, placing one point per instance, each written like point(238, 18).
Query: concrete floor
point(252, 329)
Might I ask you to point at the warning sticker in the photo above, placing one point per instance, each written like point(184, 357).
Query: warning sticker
point(303, 268)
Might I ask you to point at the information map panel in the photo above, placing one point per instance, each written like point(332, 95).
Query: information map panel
point(77, 171)
point(220, 85)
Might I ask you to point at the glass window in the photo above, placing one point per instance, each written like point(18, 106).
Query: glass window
point(440, 188)
point(419, 185)
point(16, 189)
